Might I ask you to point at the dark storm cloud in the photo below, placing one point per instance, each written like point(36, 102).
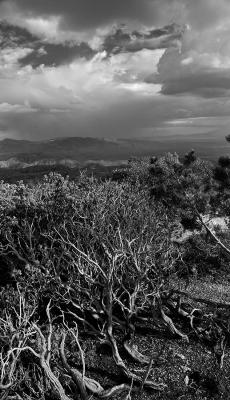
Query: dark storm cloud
point(118, 41)
point(198, 74)
point(87, 14)
point(57, 54)
point(122, 40)
point(13, 36)
point(41, 52)
point(83, 14)
point(203, 83)
point(95, 94)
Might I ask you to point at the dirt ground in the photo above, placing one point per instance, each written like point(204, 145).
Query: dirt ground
point(190, 371)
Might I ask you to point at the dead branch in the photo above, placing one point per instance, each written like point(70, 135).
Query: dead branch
point(75, 374)
point(211, 233)
point(83, 382)
point(145, 377)
point(168, 321)
point(117, 358)
point(135, 354)
point(199, 216)
point(21, 334)
point(17, 340)
point(128, 374)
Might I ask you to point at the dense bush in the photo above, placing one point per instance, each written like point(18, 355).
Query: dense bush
point(98, 247)
point(95, 257)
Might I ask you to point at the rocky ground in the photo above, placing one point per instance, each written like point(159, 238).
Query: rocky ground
point(189, 371)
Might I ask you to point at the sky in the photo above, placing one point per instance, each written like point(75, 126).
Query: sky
point(114, 68)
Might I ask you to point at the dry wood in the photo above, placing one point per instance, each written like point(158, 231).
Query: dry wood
point(128, 374)
point(84, 383)
point(75, 374)
point(171, 326)
point(135, 354)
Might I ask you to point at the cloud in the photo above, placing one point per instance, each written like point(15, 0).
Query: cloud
point(132, 116)
point(84, 14)
point(121, 39)
point(91, 82)
point(84, 19)
point(15, 108)
point(13, 36)
point(10, 56)
point(53, 17)
point(112, 68)
point(87, 97)
point(35, 51)
point(204, 74)
point(50, 54)
point(206, 14)
point(201, 67)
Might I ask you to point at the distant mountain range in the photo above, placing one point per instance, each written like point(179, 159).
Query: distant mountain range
point(70, 152)
point(75, 152)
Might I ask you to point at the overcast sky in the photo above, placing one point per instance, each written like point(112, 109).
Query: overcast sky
point(114, 68)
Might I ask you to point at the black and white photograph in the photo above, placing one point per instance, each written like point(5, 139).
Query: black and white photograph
point(114, 199)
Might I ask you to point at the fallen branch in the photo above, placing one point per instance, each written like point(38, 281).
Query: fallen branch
point(128, 374)
point(44, 357)
point(145, 377)
point(75, 374)
point(84, 383)
point(135, 354)
point(168, 321)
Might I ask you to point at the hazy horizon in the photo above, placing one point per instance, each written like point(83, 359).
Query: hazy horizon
point(125, 148)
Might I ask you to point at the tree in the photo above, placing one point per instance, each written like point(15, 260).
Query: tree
point(189, 158)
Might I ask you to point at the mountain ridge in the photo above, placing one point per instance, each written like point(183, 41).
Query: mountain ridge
point(70, 151)
point(82, 151)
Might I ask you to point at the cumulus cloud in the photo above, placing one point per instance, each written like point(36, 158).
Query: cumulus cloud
point(201, 67)
point(10, 56)
point(90, 82)
point(102, 96)
point(203, 74)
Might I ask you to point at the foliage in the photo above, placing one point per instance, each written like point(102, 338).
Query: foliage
point(95, 245)
point(96, 257)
